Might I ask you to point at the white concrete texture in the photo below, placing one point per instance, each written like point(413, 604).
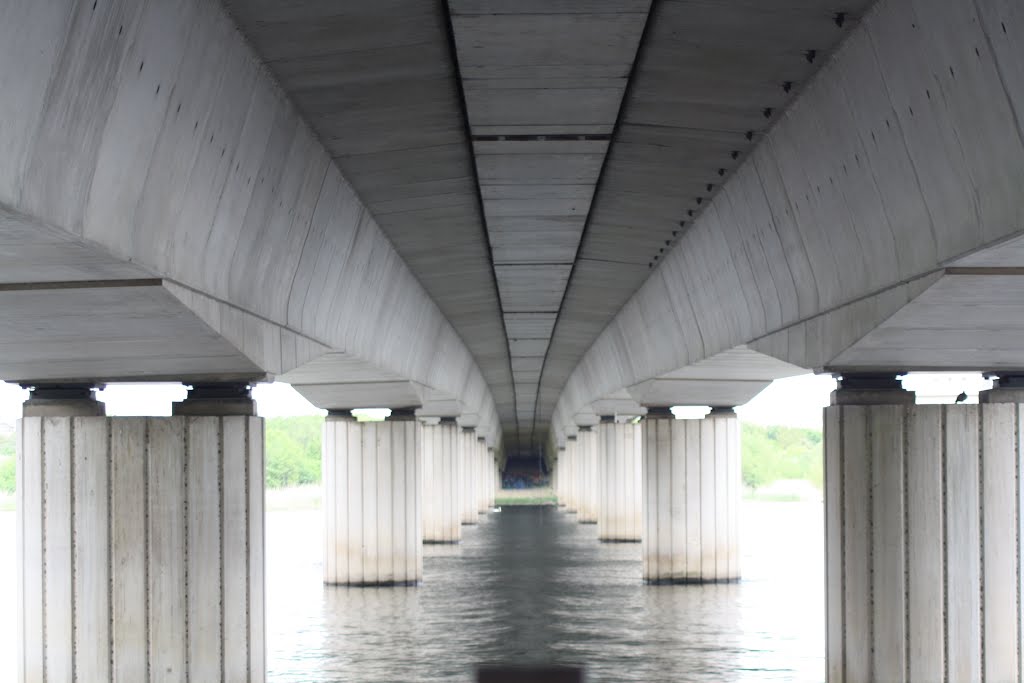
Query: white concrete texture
point(572, 479)
point(692, 488)
point(372, 502)
point(587, 492)
point(491, 478)
point(481, 476)
point(126, 155)
point(467, 445)
point(619, 484)
point(497, 481)
point(412, 165)
point(441, 494)
point(923, 550)
point(141, 549)
point(882, 171)
point(541, 71)
point(558, 477)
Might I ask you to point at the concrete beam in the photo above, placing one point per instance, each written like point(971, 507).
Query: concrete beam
point(203, 178)
point(883, 171)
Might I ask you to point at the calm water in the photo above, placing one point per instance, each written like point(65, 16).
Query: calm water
point(531, 585)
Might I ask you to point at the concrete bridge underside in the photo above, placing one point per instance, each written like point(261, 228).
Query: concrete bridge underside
point(521, 209)
point(525, 225)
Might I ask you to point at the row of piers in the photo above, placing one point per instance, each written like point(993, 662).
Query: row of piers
point(923, 519)
point(141, 540)
point(672, 485)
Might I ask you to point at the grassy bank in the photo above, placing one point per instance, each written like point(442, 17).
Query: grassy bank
point(540, 496)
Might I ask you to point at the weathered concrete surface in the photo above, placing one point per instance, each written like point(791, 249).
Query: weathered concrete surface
point(381, 88)
point(923, 560)
point(619, 482)
point(883, 171)
point(467, 447)
point(484, 476)
point(569, 464)
point(372, 482)
point(441, 493)
point(587, 493)
point(125, 156)
point(378, 83)
point(126, 153)
point(140, 549)
point(691, 491)
point(543, 84)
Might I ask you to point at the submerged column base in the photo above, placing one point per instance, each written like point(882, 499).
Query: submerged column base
point(620, 513)
point(692, 488)
point(441, 494)
point(373, 534)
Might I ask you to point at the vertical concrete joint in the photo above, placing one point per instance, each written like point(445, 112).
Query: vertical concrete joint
point(142, 547)
point(372, 479)
point(691, 490)
point(923, 515)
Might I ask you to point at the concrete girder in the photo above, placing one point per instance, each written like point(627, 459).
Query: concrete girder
point(965, 317)
point(206, 179)
point(586, 418)
point(699, 392)
point(143, 329)
point(618, 404)
point(353, 395)
point(339, 381)
point(728, 379)
point(868, 185)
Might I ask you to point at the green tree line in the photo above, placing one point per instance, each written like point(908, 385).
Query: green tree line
point(293, 450)
point(7, 460)
point(774, 453)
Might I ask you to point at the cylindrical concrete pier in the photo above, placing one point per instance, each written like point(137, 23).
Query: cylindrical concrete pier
point(467, 449)
point(483, 477)
point(572, 472)
point(619, 454)
point(372, 479)
point(923, 543)
point(692, 490)
point(140, 546)
point(492, 478)
point(442, 497)
point(560, 477)
point(586, 449)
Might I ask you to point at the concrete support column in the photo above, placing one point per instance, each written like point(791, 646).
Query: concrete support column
point(372, 478)
point(467, 451)
point(441, 493)
point(562, 477)
point(497, 478)
point(483, 477)
point(692, 491)
point(586, 447)
point(923, 543)
point(619, 454)
point(572, 472)
point(140, 543)
point(492, 478)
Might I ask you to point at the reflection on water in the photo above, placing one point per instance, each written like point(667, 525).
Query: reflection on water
point(532, 585)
